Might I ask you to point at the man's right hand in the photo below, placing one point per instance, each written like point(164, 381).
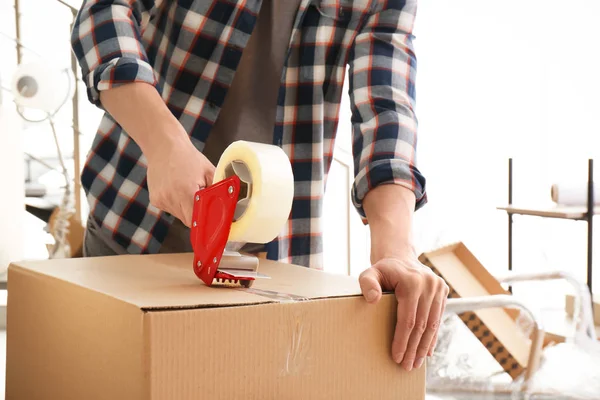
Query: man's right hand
point(176, 169)
point(175, 174)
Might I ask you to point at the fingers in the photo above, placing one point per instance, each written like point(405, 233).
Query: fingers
point(370, 285)
point(210, 174)
point(420, 308)
point(174, 178)
point(433, 344)
point(406, 322)
point(187, 202)
point(187, 207)
point(435, 337)
point(430, 310)
point(420, 334)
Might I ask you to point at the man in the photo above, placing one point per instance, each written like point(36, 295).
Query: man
point(180, 80)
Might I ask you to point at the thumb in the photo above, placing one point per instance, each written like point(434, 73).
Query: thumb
point(370, 285)
point(208, 178)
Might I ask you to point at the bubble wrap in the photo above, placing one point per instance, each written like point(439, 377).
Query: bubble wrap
point(568, 370)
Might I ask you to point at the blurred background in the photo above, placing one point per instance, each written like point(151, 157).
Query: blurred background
point(496, 81)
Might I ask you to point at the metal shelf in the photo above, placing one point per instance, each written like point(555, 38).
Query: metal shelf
point(581, 213)
point(571, 213)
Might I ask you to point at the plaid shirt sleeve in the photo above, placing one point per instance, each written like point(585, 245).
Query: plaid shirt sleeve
point(382, 93)
point(106, 39)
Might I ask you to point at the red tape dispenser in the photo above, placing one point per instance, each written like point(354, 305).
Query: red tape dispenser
point(249, 201)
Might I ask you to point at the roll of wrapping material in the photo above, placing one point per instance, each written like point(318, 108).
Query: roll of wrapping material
point(266, 192)
point(12, 188)
point(573, 194)
point(42, 86)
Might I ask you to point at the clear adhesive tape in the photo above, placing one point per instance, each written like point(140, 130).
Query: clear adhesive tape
point(267, 189)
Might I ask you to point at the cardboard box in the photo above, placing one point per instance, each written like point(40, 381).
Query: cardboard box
point(559, 327)
point(496, 328)
point(570, 305)
point(144, 327)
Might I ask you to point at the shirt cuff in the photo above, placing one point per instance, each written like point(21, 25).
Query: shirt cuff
point(389, 171)
point(117, 72)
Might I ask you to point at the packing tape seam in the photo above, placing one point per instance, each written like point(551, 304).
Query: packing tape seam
point(298, 348)
point(296, 353)
point(279, 296)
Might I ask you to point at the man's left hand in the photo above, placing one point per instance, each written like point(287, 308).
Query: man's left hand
point(421, 297)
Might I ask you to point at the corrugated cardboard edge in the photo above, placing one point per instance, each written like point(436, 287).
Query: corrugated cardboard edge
point(262, 294)
point(249, 304)
point(473, 322)
point(180, 288)
point(16, 268)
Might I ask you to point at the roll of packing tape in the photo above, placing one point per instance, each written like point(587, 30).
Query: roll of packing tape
point(43, 86)
point(266, 192)
point(573, 194)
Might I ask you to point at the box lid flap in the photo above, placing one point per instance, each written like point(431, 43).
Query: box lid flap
point(165, 281)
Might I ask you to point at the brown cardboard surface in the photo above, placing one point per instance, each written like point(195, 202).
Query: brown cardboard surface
point(65, 342)
point(144, 327)
point(167, 281)
point(282, 351)
point(495, 328)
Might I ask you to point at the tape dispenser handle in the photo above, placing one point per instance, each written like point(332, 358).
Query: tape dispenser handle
point(212, 216)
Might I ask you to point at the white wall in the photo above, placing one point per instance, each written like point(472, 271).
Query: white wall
point(11, 188)
point(496, 80)
point(499, 79)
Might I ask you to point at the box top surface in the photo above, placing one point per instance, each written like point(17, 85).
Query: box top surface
point(167, 281)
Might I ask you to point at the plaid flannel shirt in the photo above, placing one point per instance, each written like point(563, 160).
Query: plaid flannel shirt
point(189, 49)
